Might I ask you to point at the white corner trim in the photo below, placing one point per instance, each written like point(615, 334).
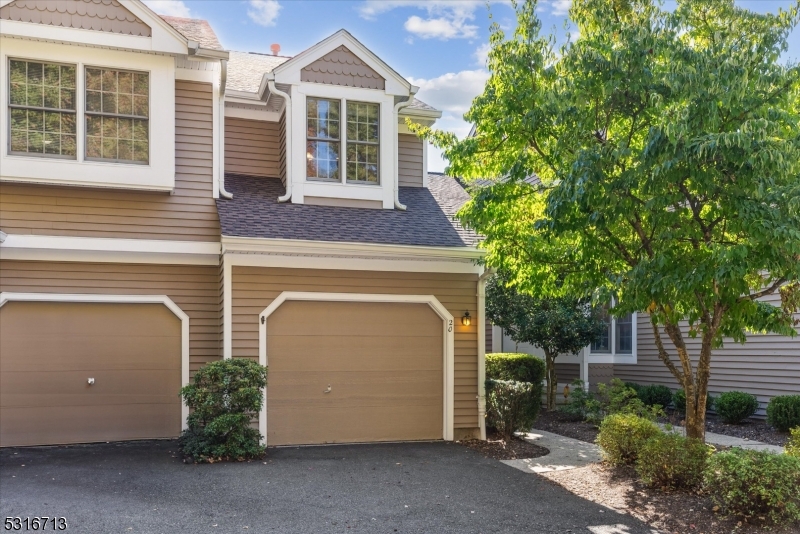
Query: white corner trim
point(125, 299)
point(227, 307)
point(447, 329)
point(108, 250)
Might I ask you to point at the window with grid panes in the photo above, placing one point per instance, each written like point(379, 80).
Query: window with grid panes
point(117, 115)
point(322, 139)
point(363, 142)
point(42, 109)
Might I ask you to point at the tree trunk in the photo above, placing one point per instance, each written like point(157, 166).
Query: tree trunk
point(552, 380)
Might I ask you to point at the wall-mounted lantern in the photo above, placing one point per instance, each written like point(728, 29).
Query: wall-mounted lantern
point(467, 319)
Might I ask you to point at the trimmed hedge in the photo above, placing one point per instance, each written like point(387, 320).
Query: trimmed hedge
point(514, 366)
point(655, 394)
point(622, 437)
point(783, 412)
point(671, 461)
point(736, 406)
point(512, 406)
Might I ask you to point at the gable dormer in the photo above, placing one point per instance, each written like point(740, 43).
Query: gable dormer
point(342, 67)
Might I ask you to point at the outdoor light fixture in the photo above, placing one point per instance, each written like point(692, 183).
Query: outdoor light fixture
point(466, 320)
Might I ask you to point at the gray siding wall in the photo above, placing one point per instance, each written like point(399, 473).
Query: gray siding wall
point(253, 147)
point(410, 169)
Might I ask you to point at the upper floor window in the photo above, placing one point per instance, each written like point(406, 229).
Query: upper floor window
point(322, 146)
point(42, 109)
point(617, 337)
point(362, 142)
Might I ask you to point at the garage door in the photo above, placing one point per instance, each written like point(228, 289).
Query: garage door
point(346, 372)
point(48, 352)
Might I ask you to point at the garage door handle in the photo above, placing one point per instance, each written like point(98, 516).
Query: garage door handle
point(90, 381)
point(328, 389)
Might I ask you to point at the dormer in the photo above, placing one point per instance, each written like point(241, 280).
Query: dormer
point(340, 114)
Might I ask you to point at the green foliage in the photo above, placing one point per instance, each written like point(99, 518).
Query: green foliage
point(793, 445)
point(750, 484)
point(783, 412)
point(613, 398)
point(623, 435)
point(679, 401)
point(578, 402)
point(655, 395)
point(224, 397)
point(736, 406)
point(517, 367)
point(634, 386)
point(512, 406)
point(672, 461)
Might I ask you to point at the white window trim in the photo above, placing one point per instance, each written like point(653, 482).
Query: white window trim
point(447, 328)
point(613, 357)
point(125, 299)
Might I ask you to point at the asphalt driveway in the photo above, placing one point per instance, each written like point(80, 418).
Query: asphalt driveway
point(404, 488)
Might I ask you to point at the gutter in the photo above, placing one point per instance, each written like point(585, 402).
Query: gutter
point(397, 108)
point(482, 351)
point(197, 51)
point(270, 78)
point(3, 236)
point(223, 81)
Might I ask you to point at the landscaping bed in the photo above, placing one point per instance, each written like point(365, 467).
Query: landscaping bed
point(499, 449)
point(751, 429)
point(560, 423)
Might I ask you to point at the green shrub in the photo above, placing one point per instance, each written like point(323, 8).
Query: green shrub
point(577, 402)
point(672, 461)
point(679, 401)
point(793, 445)
point(224, 397)
point(634, 386)
point(749, 484)
point(623, 435)
point(736, 406)
point(516, 367)
point(655, 395)
point(783, 412)
point(612, 398)
point(512, 406)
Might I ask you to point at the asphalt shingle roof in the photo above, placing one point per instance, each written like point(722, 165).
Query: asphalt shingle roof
point(255, 212)
point(197, 30)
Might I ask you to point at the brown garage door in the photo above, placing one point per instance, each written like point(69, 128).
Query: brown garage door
point(382, 361)
point(48, 351)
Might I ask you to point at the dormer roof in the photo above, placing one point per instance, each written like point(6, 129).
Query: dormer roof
point(197, 30)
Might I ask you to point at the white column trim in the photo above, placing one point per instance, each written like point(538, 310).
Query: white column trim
point(227, 307)
point(448, 348)
point(125, 299)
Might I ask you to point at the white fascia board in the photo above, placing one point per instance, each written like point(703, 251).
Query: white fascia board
point(425, 114)
point(192, 75)
point(108, 250)
point(252, 114)
point(165, 37)
point(241, 97)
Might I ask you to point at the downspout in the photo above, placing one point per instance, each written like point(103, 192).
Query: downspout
point(482, 351)
point(397, 108)
point(288, 125)
point(223, 81)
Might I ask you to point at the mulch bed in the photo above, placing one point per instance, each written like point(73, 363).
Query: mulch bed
point(678, 512)
point(495, 447)
point(750, 429)
point(559, 423)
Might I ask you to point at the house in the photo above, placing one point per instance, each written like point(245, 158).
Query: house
point(165, 203)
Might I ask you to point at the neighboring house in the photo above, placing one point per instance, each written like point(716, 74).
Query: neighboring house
point(165, 203)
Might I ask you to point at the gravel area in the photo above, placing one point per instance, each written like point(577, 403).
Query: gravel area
point(676, 512)
point(499, 449)
point(750, 429)
point(559, 423)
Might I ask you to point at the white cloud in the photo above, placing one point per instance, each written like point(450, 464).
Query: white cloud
point(172, 8)
point(264, 12)
point(560, 7)
point(446, 19)
point(440, 28)
point(452, 93)
point(481, 55)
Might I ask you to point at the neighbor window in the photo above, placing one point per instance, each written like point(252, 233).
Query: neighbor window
point(42, 109)
point(117, 115)
point(322, 145)
point(617, 336)
point(362, 142)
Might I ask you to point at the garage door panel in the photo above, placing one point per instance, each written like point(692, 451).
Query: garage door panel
point(311, 385)
point(355, 356)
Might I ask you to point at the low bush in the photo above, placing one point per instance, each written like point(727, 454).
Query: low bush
point(516, 367)
point(577, 402)
point(623, 435)
point(736, 406)
point(512, 406)
point(224, 397)
point(793, 445)
point(783, 412)
point(612, 398)
point(655, 395)
point(672, 461)
point(634, 386)
point(751, 484)
point(679, 401)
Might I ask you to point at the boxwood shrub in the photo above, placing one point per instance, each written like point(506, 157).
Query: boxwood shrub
point(679, 401)
point(736, 406)
point(671, 461)
point(655, 394)
point(622, 437)
point(783, 412)
point(512, 406)
point(514, 366)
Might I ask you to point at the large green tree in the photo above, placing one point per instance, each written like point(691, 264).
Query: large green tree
point(667, 145)
point(561, 325)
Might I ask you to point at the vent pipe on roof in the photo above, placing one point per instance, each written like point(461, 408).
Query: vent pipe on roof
point(276, 49)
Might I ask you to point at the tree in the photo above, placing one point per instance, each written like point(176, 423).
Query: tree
point(667, 145)
point(563, 325)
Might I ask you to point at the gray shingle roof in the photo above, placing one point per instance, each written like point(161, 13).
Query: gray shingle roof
point(419, 104)
point(245, 69)
point(255, 212)
point(195, 30)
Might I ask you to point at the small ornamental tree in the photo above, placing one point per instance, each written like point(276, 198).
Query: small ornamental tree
point(556, 325)
point(666, 143)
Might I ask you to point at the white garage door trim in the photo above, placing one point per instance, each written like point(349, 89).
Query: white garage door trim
point(125, 299)
point(430, 300)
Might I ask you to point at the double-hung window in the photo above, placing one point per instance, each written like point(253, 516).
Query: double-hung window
point(326, 147)
point(617, 337)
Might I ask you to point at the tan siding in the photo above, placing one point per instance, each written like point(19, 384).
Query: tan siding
point(409, 160)
point(189, 214)
point(567, 372)
point(600, 373)
point(489, 336)
point(282, 148)
point(195, 289)
point(342, 67)
point(766, 366)
point(253, 147)
point(254, 288)
point(98, 15)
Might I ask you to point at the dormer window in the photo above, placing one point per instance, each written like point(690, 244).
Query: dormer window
point(323, 146)
point(363, 142)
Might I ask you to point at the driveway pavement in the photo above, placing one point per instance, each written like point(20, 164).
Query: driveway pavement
point(413, 487)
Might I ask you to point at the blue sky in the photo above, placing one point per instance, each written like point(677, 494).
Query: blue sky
point(438, 45)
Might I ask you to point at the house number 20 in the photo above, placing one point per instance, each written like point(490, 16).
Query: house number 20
point(450, 325)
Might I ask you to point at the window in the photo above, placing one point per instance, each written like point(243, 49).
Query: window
point(117, 112)
point(322, 145)
point(603, 345)
point(42, 109)
point(623, 334)
point(618, 337)
point(362, 142)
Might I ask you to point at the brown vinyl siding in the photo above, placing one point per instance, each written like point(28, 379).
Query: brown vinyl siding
point(282, 148)
point(409, 160)
point(103, 15)
point(342, 67)
point(254, 288)
point(189, 214)
point(766, 366)
point(253, 147)
point(195, 289)
point(567, 372)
